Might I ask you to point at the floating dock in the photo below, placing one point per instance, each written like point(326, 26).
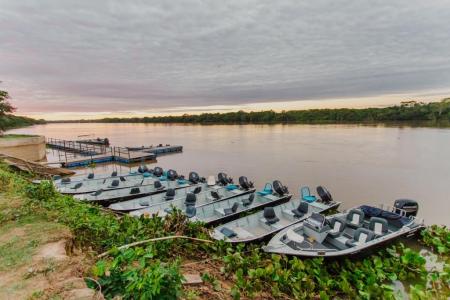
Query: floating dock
point(83, 154)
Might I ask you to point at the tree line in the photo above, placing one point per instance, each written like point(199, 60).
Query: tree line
point(9, 121)
point(406, 111)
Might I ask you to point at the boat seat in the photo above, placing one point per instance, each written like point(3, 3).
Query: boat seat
point(232, 209)
point(122, 178)
point(355, 218)
point(191, 199)
point(306, 195)
point(249, 200)
point(157, 185)
point(114, 174)
point(191, 211)
point(170, 194)
point(197, 190)
point(379, 226)
point(267, 190)
point(228, 232)
point(231, 187)
point(77, 186)
point(301, 210)
point(134, 191)
point(144, 202)
point(65, 180)
point(361, 236)
point(337, 227)
point(97, 193)
point(90, 176)
point(215, 195)
point(269, 216)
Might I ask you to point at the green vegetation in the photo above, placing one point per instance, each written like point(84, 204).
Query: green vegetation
point(154, 270)
point(433, 113)
point(8, 121)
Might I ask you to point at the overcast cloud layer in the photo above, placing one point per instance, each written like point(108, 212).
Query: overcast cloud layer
point(94, 56)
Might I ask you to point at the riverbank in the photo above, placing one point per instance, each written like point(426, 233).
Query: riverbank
point(155, 269)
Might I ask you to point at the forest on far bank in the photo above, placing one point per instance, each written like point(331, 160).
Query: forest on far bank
point(406, 111)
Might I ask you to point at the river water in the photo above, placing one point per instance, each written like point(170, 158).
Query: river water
point(358, 164)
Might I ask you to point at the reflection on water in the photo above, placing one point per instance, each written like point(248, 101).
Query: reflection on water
point(358, 164)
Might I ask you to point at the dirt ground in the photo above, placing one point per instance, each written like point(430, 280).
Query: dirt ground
point(38, 260)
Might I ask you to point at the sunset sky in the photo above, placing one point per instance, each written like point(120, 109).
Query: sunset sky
point(90, 59)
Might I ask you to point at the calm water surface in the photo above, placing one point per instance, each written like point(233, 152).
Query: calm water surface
point(358, 164)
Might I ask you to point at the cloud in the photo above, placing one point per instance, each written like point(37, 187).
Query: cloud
point(130, 55)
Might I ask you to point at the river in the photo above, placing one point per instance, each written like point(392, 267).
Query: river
point(358, 164)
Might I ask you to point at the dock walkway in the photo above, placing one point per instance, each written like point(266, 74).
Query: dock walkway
point(85, 153)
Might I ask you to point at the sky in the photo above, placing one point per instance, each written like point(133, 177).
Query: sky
point(65, 59)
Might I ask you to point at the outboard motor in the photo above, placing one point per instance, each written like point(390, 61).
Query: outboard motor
point(142, 169)
point(411, 207)
point(279, 188)
point(244, 183)
point(172, 174)
point(223, 178)
point(324, 194)
point(193, 177)
point(158, 172)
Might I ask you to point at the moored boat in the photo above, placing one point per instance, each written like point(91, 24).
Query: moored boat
point(220, 192)
point(106, 197)
point(202, 192)
point(345, 234)
point(263, 224)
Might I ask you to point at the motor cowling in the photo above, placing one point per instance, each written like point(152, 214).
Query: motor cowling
point(193, 177)
point(324, 194)
point(172, 174)
point(158, 172)
point(223, 178)
point(411, 207)
point(244, 183)
point(279, 188)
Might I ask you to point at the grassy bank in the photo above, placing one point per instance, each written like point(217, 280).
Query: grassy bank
point(154, 270)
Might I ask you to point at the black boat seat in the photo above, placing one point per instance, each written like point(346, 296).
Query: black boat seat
point(228, 232)
point(122, 178)
point(361, 236)
point(379, 226)
point(170, 194)
point(135, 191)
point(97, 193)
point(191, 211)
point(197, 190)
point(77, 186)
point(215, 195)
point(301, 210)
point(249, 200)
point(191, 199)
point(90, 176)
point(144, 202)
point(270, 216)
point(157, 185)
point(337, 227)
point(232, 209)
point(114, 174)
point(355, 218)
point(115, 183)
point(65, 180)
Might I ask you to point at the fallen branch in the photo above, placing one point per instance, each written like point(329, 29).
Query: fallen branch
point(155, 240)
